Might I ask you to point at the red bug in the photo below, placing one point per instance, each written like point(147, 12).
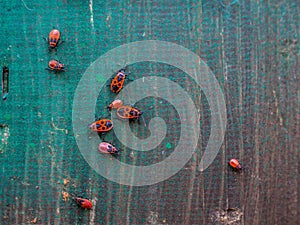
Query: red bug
point(235, 164)
point(115, 104)
point(117, 83)
point(53, 38)
point(56, 66)
point(128, 112)
point(107, 148)
point(102, 125)
point(83, 202)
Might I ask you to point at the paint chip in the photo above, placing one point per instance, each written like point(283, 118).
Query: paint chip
point(66, 181)
point(65, 195)
point(34, 220)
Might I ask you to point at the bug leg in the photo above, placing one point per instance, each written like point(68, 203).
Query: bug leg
point(116, 154)
point(107, 107)
point(100, 134)
point(99, 118)
point(51, 49)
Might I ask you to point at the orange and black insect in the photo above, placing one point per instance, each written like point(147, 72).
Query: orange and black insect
point(56, 66)
point(53, 38)
point(235, 164)
point(102, 125)
point(117, 83)
point(83, 202)
point(128, 112)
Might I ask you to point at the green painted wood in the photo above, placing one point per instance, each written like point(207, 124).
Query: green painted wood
point(252, 47)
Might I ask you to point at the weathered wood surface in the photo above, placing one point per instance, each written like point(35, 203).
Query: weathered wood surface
point(252, 47)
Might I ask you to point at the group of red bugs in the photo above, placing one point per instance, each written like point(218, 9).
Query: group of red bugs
point(101, 125)
point(104, 125)
point(56, 66)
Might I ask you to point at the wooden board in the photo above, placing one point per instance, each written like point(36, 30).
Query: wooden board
point(252, 47)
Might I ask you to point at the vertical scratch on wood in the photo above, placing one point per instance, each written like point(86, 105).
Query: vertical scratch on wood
point(58, 196)
point(224, 72)
point(255, 59)
point(201, 190)
point(91, 14)
point(17, 210)
point(109, 205)
point(257, 145)
point(278, 114)
point(240, 104)
point(194, 157)
point(129, 200)
point(92, 212)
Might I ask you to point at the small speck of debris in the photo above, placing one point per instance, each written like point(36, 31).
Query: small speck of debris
point(25, 183)
point(34, 221)
point(37, 187)
point(66, 181)
point(65, 196)
point(108, 18)
point(229, 216)
point(131, 155)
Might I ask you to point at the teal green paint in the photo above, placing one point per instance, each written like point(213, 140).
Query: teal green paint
point(168, 145)
point(100, 78)
point(32, 145)
point(6, 116)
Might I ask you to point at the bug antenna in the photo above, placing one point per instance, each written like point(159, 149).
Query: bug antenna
point(99, 118)
point(107, 106)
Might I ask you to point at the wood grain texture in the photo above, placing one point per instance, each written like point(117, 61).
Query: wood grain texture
point(251, 46)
